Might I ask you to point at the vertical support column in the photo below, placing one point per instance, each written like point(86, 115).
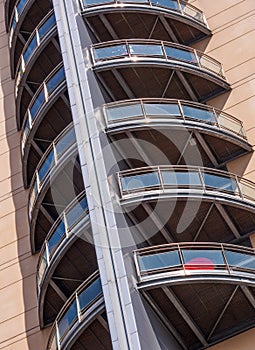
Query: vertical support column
point(119, 308)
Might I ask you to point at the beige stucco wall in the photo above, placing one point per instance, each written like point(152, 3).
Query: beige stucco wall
point(19, 329)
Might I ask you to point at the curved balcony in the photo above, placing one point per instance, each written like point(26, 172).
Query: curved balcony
point(47, 94)
point(223, 136)
point(84, 306)
point(173, 20)
point(152, 68)
point(40, 37)
point(203, 292)
point(61, 151)
point(186, 203)
point(20, 14)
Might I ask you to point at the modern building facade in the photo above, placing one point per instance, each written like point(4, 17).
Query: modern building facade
point(127, 175)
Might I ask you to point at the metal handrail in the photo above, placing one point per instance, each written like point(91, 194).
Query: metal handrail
point(230, 258)
point(217, 118)
point(19, 7)
point(58, 335)
point(179, 6)
point(126, 50)
point(232, 184)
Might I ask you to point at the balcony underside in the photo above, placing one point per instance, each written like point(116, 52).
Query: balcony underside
point(158, 80)
point(137, 21)
point(201, 314)
point(29, 19)
point(156, 143)
point(185, 217)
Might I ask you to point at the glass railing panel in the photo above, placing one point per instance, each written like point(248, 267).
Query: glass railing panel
point(89, 294)
point(57, 78)
point(54, 342)
point(110, 51)
point(218, 182)
point(145, 50)
point(202, 259)
point(67, 319)
point(181, 178)
point(240, 260)
point(199, 114)
point(40, 99)
point(180, 54)
point(122, 112)
point(161, 109)
point(248, 190)
point(57, 237)
point(21, 5)
point(65, 142)
point(43, 265)
point(192, 12)
point(76, 212)
point(171, 4)
point(31, 48)
point(159, 261)
point(47, 26)
point(95, 2)
point(46, 165)
point(210, 64)
point(136, 182)
point(230, 124)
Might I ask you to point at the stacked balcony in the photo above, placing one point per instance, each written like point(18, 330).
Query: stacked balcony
point(57, 205)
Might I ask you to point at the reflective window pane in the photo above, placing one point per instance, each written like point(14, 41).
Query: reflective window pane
point(65, 142)
point(202, 259)
point(171, 4)
point(135, 182)
point(179, 54)
point(146, 50)
point(161, 109)
point(56, 237)
point(219, 182)
point(37, 104)
point(31, 48)
point(21, 5)
point(200, 114)
point(57, 78)
point(46, 27)
point(181, 178)
point(110, 51)
point(129, 111)
point(240, 260)
point(47, 165)
point(95, 2)
point(67, 319)
point(90, 293)
point(159, 261)
point(76, 212)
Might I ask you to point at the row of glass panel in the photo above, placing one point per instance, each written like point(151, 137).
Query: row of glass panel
point(41, 97)
point(17, 11)
point(51, 158)
point(172, 109)
point(175, 257)
point(182, 7)
point(61, 231)
point(89, 292)
point(33, 43)
point(178, 177)
point(133, 49)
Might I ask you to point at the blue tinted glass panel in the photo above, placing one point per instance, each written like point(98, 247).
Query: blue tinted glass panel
point(145, 50)
point(46, 27)
point(123, 112)
point(65, 142)
point(203, 257)
point(110, 51)
point(161, 109)
point(219, 182)
point(90, 293)
point(37, 104)
point(57, 237)
point(140, 181)
point(95, 2)
point(200, 114)
point(159, 261)
point(240, 260)
point(180, 178)
point(46, 166)
point(171, 4)
point(31, 48)
point(55, 80)
point(67, 319)
point(76, 212)
point(179, 54)
point(21, 5)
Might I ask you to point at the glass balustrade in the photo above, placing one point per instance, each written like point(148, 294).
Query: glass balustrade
point(178, 6)
point(50, 159)
point(166, 178)
point(61, 231)
point(185, 111)
point(17, 11)
point(35, 40)
point(74, 312)
point(42, 96)
point(136, 50)
point(193, 257)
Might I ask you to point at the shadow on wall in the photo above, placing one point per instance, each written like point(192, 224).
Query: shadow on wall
point(19, 325)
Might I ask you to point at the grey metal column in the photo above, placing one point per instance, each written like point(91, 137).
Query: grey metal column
point(116, 291)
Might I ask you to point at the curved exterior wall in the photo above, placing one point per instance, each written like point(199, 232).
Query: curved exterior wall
point(37, 242)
